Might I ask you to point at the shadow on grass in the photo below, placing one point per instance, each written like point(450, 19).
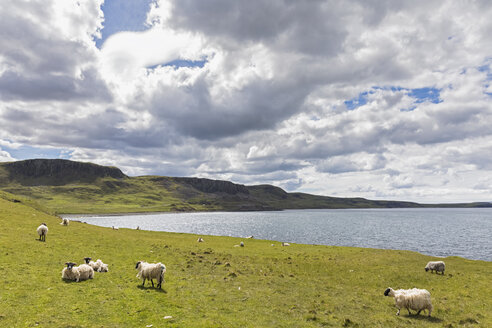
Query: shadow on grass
point(150, 288)
point(423, 318)
point(68, 281)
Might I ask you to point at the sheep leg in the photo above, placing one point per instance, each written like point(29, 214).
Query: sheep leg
point(418, 312)
point(398, 313)
point(152, 281)
point(409, 313)
point(143, 282)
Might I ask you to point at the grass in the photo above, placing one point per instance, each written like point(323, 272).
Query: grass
point(214, 284)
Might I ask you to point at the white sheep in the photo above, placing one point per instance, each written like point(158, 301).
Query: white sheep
point(103, 267)
point(65, 221)
point(151, 271)
point(97, 266)
point(82, 272)
point(285, 244)
point(415, 299)
point(42, 231)
point(114, 228)
point(437, 266)
point(200, 240)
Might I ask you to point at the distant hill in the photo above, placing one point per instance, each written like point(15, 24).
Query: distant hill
point(66, 186)
point(56, 172)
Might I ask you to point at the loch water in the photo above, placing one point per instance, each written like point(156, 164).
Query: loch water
point(441, 232)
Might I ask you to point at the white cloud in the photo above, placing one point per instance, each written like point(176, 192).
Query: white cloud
point(268, 105)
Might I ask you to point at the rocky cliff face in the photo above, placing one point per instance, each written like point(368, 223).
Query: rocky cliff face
point(58, 171)
point(213, 186)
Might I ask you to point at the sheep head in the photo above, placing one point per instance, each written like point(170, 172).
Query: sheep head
point(138, 263)
point(387, 291)
point(70, 265)
point(87, 259)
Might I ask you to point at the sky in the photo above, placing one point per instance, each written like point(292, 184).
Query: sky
point(362, 98)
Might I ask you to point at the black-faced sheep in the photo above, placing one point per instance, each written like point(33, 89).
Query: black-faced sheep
point(415, 299)
point(82, 272)
point(151, 271)
point(437, 266)
point(42, 231)
point(65, 221)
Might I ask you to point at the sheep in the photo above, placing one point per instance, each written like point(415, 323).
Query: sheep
point(103, 267)
point(415, 299)
point(200, 240)
point(285, 244)
point(82, 272)
point(241, 244)
point(97, 266)
point(249, 237)
point(437, 266)
point(65, 221)
point(115, 228)
point(42, 231)
point(151, 271)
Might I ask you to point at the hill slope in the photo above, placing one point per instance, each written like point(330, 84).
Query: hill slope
point(214, 284)
point(74, 187)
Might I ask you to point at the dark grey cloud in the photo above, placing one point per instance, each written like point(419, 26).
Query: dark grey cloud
point(281, 23)
point(258, 106)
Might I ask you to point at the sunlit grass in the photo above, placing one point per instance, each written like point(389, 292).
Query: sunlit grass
point(214, 284)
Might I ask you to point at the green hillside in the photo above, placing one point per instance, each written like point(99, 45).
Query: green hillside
point(214, 284)
point(74, 187)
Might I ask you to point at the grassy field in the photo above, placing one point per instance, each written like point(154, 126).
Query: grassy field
point(214, 284)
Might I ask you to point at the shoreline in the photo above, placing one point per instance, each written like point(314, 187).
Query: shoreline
point(85, 215)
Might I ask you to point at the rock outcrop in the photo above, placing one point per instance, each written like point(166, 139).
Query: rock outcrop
point(57, 171)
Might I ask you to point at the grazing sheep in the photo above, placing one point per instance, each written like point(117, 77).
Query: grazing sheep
point(65, 221)
point(42, 231)
point(151, 271)
point(200, 240)
point(437, 266)
point(285, 244)
point(114, 228)
point(249, 237)
point(97, 266)
point(415, 299)
point(241, 244)
point(82, 272)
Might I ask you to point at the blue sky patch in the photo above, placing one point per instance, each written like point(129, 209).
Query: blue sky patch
point(420, 95)
point(358, 101)
point(425, 94)
point(182, 63)
point(28, 152)
point(122, 16)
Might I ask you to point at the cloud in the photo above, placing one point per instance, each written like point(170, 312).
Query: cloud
point(361, 98)
point(47, 51)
